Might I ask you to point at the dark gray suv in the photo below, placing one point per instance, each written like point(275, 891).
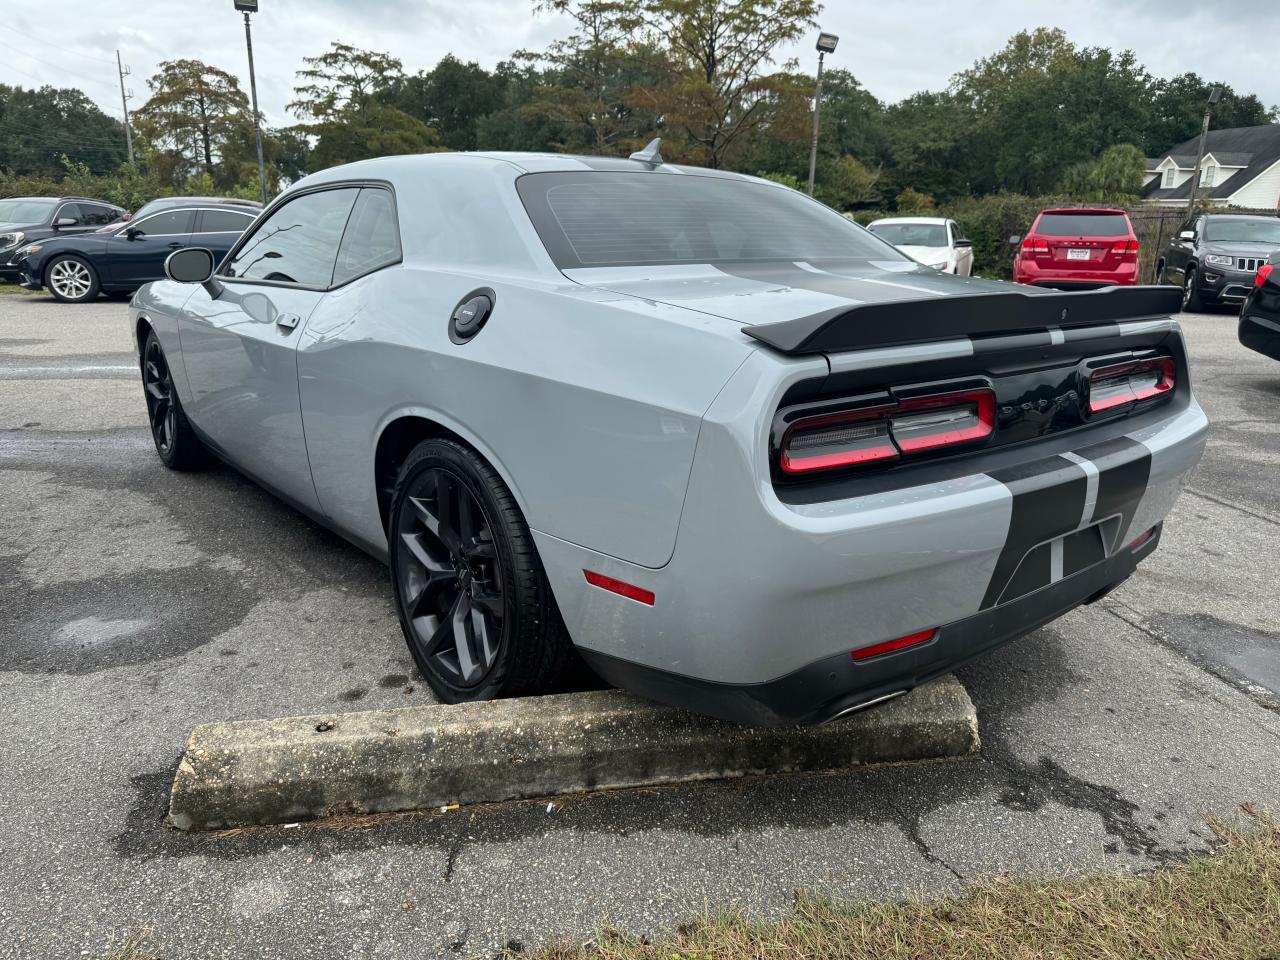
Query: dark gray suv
point(1215, 256)
point(24, 219)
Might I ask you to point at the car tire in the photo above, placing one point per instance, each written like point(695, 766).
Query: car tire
point(1159, 274)
point(71, 279)
point(473, 600)
point(1191, 299)
point(176, 442)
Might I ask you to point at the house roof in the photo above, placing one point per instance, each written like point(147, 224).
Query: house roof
point(1254, 148)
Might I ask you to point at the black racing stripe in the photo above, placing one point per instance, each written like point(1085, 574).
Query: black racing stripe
point(789, 275)
point(1023, 341)
point(1081, 550)
point(1071, 334)
point(1048, 500)
point(1033, 573)
point(1124, 468)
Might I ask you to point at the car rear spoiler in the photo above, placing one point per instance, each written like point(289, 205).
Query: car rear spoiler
point(946, 318)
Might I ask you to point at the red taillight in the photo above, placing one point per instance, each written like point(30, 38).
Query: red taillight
point(620, 587)
point(1143, 539)
point(1034, 246)
point(1126, 248)
point(882, 433)
point(1126, 383)
point(910, 640)
point(1264, 271)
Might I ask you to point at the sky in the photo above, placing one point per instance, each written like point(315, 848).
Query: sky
point(895, 48)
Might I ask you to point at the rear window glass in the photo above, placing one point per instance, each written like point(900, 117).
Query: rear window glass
point(597, 219)
point(1083, 225)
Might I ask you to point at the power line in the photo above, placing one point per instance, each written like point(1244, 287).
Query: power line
point(56, 66)
point(56, 46)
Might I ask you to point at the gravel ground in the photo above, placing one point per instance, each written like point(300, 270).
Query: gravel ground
point(136, 603)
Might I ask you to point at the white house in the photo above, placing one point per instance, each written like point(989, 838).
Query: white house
point(1241, 168)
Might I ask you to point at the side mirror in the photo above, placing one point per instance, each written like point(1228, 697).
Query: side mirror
point(1187, 235)
point(1015, 239)
point(194, 265)
point(963, 242)
point(133, 233)
point(64, 222)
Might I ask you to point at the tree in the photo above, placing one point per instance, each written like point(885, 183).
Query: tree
point(931, 146)
point(39, 127)
point(194, 112)
point(1177, 109)
point(719, 89)
point(590, 75)
point(340, 107)
point(452, 98)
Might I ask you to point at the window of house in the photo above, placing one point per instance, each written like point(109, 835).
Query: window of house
point(1169, 175)
point(1208, 175)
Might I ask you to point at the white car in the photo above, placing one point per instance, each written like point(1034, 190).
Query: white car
point(934, 241)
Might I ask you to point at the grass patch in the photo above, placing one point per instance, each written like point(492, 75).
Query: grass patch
point(137, 945)
point(1220, 906)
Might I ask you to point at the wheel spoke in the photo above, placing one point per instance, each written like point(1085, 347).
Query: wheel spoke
point(485, 647)
point(160, 413)
point(462, 638)
point(156, 389)
point(488, 601)
point(433, 576)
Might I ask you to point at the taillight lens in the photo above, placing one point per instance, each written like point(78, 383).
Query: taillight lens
point(1264, 271)
point(883, 433)
point(1126, 248)
point(1033, 247)
point(1112, 388)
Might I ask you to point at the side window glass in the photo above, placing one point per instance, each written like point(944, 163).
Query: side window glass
point(70, 211)
point(96, 215)
point(298, 242)
point(223, 221)
point(371, 239)
point(166, 224)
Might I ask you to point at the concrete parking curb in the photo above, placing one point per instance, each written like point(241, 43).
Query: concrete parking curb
point(250, 772)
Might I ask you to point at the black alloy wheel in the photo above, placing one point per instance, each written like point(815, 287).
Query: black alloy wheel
point(473, 599)
point(449, 578)
point(176, 442)
point(1192, 302)
point(161, 409)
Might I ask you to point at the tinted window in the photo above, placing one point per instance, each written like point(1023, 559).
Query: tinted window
point(223, 221)
point(298, 243)
point(98, 215)
point(1083, 225)
point(1261, 230)
point(71, 211)
point(615, 219)
point(371, 239)
point(911, 234)
point(25, 211)
point(164, 224)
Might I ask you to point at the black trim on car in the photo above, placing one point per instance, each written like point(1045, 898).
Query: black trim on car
point(944, 318)
point(838, 684)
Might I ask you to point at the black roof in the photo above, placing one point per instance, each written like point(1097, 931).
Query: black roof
point(1256, 148)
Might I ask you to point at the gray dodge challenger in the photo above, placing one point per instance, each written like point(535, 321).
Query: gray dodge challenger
point(688, 426)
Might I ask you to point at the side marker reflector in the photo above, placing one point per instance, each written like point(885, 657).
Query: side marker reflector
point(910, 640)
point(620, 587)
point(1142, 539)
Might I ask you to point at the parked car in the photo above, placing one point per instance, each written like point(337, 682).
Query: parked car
point(1260, 315)
point(24, 219)
point(164, 203)
point(934, 241)
point(1215, 257)
point(1078, 249)
point(77, 269)
point(734, 450)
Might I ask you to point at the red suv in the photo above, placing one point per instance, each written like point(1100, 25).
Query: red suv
point(1078, 249)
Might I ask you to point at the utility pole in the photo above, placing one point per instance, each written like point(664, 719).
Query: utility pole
point(248, 7)
point(124, 102)
point(826, 44)
point(1214, 96)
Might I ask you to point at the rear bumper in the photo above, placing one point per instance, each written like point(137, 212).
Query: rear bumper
point(838, 684)
point(1068, 278)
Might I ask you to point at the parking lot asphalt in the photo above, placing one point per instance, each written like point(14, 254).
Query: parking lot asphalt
point(136, 603)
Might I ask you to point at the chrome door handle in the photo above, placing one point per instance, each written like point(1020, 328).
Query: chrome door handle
point(287, 321)
point(175, 246)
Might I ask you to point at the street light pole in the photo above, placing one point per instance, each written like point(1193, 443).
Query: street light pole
point(1214, 96)
point(826, 44)
point(248, 7)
